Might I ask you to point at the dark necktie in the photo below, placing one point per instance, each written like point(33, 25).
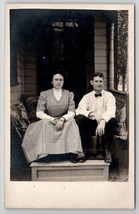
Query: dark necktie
point(98, 95)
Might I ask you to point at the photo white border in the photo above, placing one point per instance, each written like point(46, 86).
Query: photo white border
point(82, 195)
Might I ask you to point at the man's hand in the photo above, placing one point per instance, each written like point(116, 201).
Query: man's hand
point(100, 128)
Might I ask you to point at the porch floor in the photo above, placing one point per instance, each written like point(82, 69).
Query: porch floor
point(23, 173)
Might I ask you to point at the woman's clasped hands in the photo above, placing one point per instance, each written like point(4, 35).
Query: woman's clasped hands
point(59, 123)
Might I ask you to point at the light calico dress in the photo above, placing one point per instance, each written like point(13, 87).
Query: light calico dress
point(42, 137)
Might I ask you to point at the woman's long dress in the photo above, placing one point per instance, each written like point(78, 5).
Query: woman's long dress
point(42, 137)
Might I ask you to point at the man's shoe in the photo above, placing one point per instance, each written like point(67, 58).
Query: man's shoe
point(82, 159)
point(108, 158)
point(100, 157)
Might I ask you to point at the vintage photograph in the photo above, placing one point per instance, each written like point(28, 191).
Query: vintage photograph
point(70, 91)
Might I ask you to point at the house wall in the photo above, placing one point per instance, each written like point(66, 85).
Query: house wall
point(26, 63)
point(100, 49)
point(17, 90)
point(30, 73)
point(27, 77)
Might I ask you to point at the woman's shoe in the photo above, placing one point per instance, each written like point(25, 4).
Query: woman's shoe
point(82, 159)
point(73, 158)
point(43, 160)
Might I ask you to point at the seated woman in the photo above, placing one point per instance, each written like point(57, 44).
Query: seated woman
point(56, 132)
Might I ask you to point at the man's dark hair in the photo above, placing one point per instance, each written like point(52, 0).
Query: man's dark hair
point(97, 74)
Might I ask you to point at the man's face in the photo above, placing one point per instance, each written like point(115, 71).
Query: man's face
point(58, 81)
point(97, 84)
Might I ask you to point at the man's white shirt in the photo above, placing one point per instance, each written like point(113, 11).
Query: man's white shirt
point(104, 106)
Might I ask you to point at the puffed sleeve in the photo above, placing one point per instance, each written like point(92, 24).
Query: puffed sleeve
point(41, 106)
point(71, 102)
point(71, 107)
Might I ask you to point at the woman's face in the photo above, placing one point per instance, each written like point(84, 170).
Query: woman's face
point(58, 81)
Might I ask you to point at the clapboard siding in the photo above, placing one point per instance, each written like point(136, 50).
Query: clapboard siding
point(100, 67)
point(30, 73)
point(100, 60)
point(99, 24)
point(29, 65)
point(30, 87)
point(30, 80)
point(100, 49)
point(100, 53)
point(30, 58)
point(101, 38)
point(16, 91)
point(15, 94)
point(101, 32)
point(26, 71)
point(100, 46)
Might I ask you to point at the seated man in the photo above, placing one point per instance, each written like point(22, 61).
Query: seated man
point(95, 116)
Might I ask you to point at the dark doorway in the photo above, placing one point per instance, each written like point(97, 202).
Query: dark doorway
point(63, 45)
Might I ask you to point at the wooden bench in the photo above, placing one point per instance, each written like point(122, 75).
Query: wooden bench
point(91, 170)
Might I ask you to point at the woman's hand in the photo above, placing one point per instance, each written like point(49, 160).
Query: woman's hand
point(59, 123)
point(101, 128)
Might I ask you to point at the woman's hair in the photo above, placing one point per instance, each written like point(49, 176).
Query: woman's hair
point(58, 71)
point(97, 74)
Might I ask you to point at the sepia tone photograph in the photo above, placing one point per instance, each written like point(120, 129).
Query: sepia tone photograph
point(70, 95)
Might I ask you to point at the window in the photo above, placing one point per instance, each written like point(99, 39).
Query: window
point(61, 31)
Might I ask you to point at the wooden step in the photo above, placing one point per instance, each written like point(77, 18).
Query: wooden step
point(91, 170)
